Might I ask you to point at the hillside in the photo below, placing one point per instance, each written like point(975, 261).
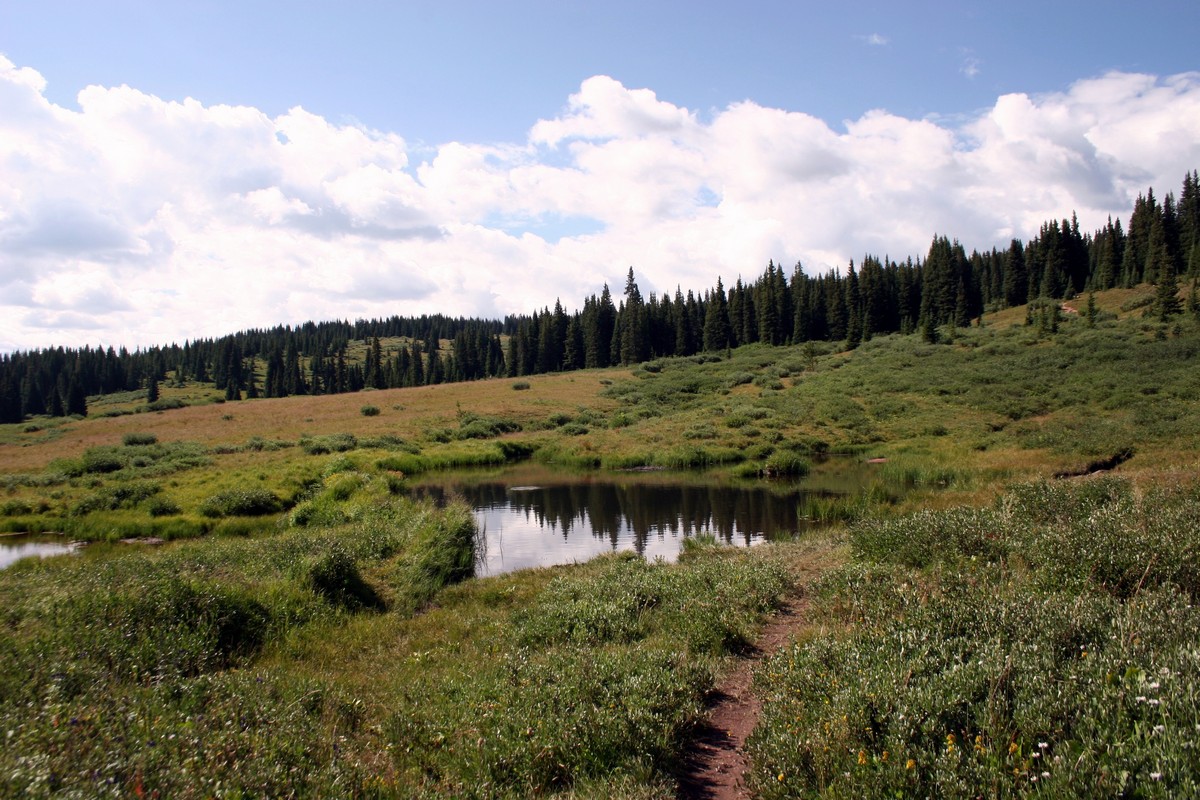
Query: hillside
point(313, 632)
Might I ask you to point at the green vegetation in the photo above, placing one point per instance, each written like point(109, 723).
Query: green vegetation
point(309, 631)
point(1042, 646)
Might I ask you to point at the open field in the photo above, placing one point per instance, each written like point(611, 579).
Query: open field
point(317, 634)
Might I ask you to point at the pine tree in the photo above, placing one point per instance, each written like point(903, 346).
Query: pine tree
point(151, 391)
point(252, 381)
point(1166, 296)
point(716, 321)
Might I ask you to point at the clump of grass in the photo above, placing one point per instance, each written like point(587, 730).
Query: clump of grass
point(335, 576)
point(476, 426)
point(333, 443)
point(138, 439)
point(241, 503)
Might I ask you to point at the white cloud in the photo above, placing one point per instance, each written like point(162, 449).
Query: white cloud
point(136, 220)
point(873, 39)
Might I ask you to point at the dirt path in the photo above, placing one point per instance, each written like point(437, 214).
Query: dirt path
point(716, 767)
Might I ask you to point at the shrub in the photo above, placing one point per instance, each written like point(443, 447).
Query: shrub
point(166, 404)
point(335, 577)
point(137, 439)
point(520, 386)
point(369, 411)
point(786, 463)
point(162, 507)
point(334, 443)
point(473, 426)
point(241, 503)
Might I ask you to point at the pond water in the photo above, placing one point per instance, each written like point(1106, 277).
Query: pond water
point(14, 548)
point(533, 516)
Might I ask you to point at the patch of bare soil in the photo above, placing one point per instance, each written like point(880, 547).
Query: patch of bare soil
point(716, 767)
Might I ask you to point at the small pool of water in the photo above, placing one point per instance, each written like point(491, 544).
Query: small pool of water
point(16, 547)
point(534, 516)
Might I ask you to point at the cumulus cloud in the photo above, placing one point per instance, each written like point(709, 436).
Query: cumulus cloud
point(136, 220)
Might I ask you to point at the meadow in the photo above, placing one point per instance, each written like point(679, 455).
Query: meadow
point(1009, 626)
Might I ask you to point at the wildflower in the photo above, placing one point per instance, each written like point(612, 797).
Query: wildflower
point(1042, 745)
point(781, 777)
point(910, 764)
point(1012, 748)
point(1045, 774)
point(1156, 776)
point(862, 757)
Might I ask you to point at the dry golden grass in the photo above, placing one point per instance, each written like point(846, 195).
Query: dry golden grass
point(408, 413)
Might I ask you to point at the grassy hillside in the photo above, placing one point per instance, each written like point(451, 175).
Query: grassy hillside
point(315, 634)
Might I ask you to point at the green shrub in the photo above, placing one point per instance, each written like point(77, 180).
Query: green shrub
point(334, 443)
point(166, 404)
point(474, 426)
point(369, 411)
point(135, 439)
point(786, 464)
point(520, 386)
point(15, 508)
point(335, 577)
point(241, 503)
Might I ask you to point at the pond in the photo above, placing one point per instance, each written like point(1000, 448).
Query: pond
point(534, 516)
point(16, 547)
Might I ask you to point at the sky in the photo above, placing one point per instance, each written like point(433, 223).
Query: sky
point(173, 171)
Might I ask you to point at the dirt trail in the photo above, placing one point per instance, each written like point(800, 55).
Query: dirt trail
point(717, 764)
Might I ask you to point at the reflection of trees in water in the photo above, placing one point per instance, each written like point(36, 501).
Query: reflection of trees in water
point(609, 510)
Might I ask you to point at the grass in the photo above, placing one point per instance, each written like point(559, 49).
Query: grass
point(312, 633)
point(1041, 646)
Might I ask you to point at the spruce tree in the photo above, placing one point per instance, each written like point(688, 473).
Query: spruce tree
point(151, 391)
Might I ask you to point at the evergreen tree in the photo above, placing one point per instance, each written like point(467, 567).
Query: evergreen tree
point(252, 381)
point(76, 399)
point(1166, 296)
point(10, 400)
point(716, 321)
point(151, 391)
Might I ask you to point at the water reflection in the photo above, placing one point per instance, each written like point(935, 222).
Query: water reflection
point(15, 548)
point(532, 516)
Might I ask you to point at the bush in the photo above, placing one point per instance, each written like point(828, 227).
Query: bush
point(137, 439)
point(241, 503)
point(166, 404)
point(334, 443)
point(786, 463)
point(369, 411)
point(520, 386)
point(335, 577)
point(473, 426)
point(162, 507)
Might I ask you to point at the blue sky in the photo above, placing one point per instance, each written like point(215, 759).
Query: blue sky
point(481, 71)
point(368, 158)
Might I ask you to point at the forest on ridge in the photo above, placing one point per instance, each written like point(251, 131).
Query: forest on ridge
point(946, 289)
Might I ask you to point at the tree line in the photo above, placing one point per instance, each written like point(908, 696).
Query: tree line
point(948, 288)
